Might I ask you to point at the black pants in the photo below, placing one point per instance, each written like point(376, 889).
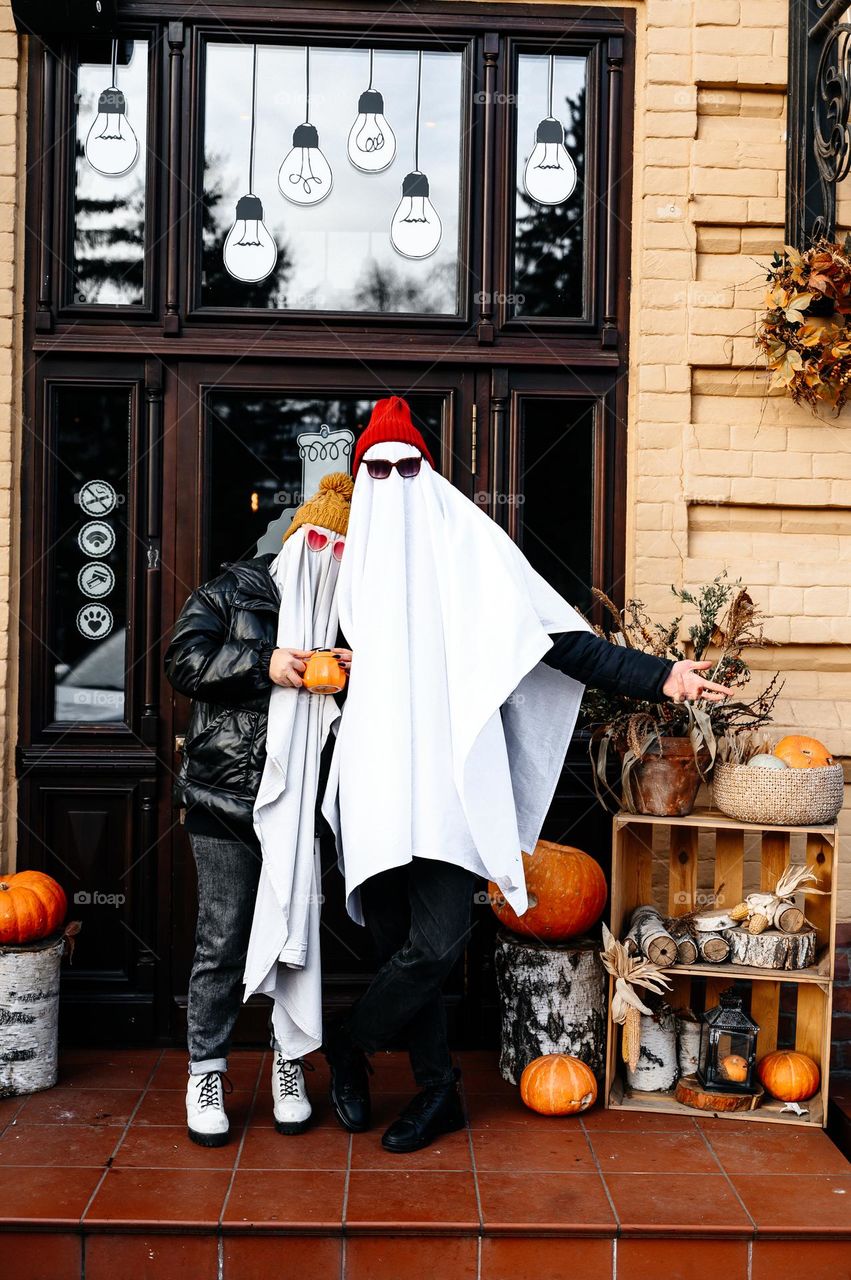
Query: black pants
point(419, 919)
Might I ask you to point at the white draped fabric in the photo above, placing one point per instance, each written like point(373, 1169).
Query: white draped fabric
point(283, 951)
point(453, 733)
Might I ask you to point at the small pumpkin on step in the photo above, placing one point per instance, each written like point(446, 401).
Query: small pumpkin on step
point(558, 1085)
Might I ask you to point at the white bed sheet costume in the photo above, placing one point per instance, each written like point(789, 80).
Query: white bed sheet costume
point(283, 959)
point(454, 732)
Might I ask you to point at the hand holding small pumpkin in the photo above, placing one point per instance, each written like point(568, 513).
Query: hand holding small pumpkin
point(287, 666)
point(685, 684)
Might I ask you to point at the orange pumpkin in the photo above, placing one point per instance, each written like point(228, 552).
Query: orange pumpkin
point(567, 893)
point(789, 1075)
point(323, 673)
point(802, 753)
point(32, 906)
point(558, 1085)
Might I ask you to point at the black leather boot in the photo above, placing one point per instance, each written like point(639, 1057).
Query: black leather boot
point(432, 1112)
point(350, 1072)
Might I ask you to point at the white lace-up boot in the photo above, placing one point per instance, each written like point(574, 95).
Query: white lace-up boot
point(289, 1095)
point(205, 1110)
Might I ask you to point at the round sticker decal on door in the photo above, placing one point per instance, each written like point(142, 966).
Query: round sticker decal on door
point(94, 621)
point(97, 497)
point(95, 579)
point(96, 538)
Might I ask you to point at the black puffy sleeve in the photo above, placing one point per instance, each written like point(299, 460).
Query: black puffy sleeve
point(203, 661)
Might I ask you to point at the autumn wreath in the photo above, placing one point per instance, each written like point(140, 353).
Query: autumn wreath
point(805, 332)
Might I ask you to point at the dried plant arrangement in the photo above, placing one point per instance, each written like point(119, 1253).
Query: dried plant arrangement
point(630, 972)
point(727, 623)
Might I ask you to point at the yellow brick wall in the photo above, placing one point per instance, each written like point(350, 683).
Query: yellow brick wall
point(720, 475)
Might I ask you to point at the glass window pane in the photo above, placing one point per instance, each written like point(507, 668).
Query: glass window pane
point(335, 254)
point(557, 493)
point(550, 226)
point(266, 452)
point(110, 165)
point(91, 445)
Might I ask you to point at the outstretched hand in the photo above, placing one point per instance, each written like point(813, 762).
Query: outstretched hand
point(685, 684)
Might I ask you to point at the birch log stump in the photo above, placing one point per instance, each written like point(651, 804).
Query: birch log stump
point(552, 1000)
point(29, 1016)
point(647, 936)
point(772, 949)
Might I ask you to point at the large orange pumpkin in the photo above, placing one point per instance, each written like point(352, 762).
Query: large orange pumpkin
point(32, 906)
point(567, 893)
point(558, 1085)
point(789, 1075)
point(802, 753)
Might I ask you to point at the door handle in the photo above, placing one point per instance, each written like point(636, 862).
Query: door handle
point(179, 742)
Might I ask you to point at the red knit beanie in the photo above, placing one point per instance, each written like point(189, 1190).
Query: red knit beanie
point(390, 421)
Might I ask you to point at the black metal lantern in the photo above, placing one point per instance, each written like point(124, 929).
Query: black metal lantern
point(727, 1054)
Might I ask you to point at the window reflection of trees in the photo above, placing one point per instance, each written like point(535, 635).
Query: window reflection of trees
point(549, 260)
point(109, 213)
point(336, 256)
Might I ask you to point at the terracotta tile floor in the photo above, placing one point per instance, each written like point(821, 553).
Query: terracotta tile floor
point(98, 1178)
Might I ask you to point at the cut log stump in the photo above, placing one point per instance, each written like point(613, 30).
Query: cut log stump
point(773, 949)
point(552, 1000)
point(691, 1093)
point(29, 1016)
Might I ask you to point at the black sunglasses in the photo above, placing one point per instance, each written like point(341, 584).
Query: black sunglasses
point(380, 468)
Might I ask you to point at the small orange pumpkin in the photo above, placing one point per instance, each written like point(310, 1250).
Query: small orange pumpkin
point(567, 893)
point(32, 906)
point(323, 673)
point(734, 1067)
point(789, 1075)
point(802, 753)
point(558, 1085)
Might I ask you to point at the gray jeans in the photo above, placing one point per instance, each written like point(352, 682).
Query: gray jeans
point(228, 873)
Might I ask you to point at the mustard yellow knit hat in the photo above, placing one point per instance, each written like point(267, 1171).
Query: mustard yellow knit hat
point(329, 508)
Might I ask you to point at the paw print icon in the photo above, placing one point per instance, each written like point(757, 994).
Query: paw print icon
point(94, 621)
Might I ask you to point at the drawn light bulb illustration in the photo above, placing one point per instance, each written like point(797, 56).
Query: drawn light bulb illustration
point(112, 147)
point(250, 253)
point(372, 143)
point(416, 228)
point(550, 175)
point(305, 176)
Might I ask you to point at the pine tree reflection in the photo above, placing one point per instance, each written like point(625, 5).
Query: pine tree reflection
point(549, 262)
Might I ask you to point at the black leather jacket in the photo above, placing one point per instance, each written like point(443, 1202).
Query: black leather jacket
point(219, 657)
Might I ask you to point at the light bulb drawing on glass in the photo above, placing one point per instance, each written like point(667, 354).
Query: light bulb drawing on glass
point(305, 175)
point(112, 147)
point(250, 253)
point(550, 173)
point(416, 229)
point(372, 143)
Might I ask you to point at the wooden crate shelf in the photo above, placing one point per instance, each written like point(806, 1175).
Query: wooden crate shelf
point(722, 841)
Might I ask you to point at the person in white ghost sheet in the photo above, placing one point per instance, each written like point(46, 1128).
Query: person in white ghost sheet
point(459, 711)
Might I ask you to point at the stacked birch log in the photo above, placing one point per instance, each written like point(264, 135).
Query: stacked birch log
point(767, 931)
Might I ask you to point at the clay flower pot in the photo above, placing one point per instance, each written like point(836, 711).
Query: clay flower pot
point(665, 781)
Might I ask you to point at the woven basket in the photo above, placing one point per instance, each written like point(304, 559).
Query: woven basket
point(784, 797)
